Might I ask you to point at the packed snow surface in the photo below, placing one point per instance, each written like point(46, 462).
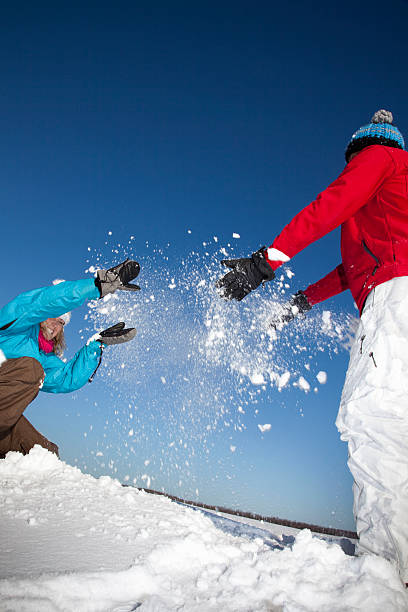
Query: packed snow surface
point(73, 543)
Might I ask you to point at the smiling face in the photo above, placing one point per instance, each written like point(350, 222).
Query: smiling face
point(51, 328)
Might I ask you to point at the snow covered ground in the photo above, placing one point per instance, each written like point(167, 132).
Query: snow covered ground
point(74, 543)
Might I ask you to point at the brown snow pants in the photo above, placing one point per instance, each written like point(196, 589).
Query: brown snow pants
point(20, 381)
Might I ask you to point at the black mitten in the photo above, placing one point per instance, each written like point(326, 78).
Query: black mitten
point(245, 276)
point(117, 334)
point(118, 278)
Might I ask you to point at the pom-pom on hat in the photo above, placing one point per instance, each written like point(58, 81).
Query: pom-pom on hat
point(379, 131)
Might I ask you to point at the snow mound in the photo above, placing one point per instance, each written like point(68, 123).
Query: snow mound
point(74, 543)
point(36, 463)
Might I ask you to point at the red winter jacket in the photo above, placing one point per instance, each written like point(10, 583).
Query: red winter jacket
point(370, 201)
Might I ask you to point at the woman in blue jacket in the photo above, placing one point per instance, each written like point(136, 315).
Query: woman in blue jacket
point(31, 330)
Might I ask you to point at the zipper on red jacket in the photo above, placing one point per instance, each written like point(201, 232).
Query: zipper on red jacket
point(369, 251)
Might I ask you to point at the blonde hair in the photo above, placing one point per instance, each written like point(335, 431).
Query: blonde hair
point(59, 343)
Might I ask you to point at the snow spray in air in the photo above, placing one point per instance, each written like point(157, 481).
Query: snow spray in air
point(198, 364)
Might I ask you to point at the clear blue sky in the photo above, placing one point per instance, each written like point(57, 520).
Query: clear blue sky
point(150, 119)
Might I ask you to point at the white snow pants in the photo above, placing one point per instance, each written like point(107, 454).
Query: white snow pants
point(373, 419)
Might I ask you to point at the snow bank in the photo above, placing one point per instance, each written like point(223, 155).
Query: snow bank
point(73, 543)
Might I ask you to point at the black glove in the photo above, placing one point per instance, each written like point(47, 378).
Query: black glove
point(245, 276)
point(118, 277)
point(297, 305)
point(117, 334)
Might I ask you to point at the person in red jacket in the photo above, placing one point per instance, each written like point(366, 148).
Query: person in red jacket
point(369, 200)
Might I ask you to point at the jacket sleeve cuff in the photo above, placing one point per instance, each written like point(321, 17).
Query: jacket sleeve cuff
point(275, 257)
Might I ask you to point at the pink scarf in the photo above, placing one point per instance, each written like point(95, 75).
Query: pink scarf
point(45, 345)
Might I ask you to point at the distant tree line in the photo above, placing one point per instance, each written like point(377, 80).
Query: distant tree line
point(344, 533)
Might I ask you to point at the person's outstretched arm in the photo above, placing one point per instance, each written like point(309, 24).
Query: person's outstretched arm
point(359, 181)
point(63, 377)
point(356, 185)
point(35, 306)
point(332, 284)
point(299, 304)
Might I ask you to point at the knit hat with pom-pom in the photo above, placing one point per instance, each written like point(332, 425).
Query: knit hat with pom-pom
point(379, 131)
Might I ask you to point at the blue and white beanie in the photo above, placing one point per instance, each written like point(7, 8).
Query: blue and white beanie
point(379, 131)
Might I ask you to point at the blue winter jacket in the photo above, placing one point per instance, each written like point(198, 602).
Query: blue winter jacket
point(20, 325)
